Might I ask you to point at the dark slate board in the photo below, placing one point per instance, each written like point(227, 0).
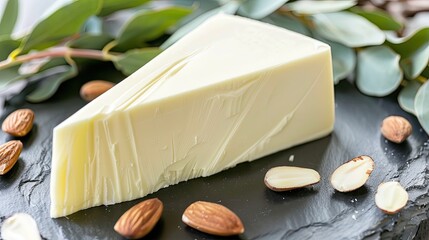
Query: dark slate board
point(312, 213)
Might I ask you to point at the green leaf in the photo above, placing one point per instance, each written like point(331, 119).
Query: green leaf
point(407, 96)
point(90, 41)
point(378, 71)
point(416, 63)
point(64, 22)
point(94, 25)
point(287, 22)
point(409, 45)
point(343, 61)
point(348, 28)
point(229, 8)
point(258, 9)
point(421, 106)
point(325, 6)
point(7, 45)
point(200, 7)
point(132, 60)
point(9, 75)
point(10, 15)
point(149, 25)
point(379, 18)
point(49, 85)
point(52, 63)
point(110, 6)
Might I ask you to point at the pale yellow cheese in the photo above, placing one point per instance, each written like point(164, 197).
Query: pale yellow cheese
point(232, 90)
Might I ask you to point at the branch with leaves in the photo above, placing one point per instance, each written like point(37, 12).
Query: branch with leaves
point(366, 38)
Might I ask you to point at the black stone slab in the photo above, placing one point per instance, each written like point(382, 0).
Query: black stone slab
point(311, 213)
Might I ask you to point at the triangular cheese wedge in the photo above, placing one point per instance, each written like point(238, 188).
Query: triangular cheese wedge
point(232, 90)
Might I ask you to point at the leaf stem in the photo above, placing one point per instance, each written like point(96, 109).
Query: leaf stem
point(56, 53)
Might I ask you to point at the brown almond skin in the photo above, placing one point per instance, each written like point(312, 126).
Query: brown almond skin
point(92, 89)
point(19, 123)
point(9, 154)
point(396, 129)
point(139, 220)
point(212, 218)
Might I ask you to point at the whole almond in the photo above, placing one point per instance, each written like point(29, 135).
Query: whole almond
point(396, 129)
point(9, 154)
point(285, 178)
point(352, 174)
point(212, 218)
point(140, 219)
point(92, 89)
point(19, 123)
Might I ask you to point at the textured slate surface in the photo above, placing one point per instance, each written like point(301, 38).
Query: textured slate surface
point(311, 213)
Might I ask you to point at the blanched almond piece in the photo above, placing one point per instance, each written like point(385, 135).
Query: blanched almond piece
point(20, 226)
point(212, 218)
point(391, 197)
point(139, 220)
point(285, 178)
point(352, 174)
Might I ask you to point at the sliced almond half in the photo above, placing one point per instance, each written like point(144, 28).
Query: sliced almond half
point(352, 174)
point(212, 218)
point(391, 197)
point(285, 178)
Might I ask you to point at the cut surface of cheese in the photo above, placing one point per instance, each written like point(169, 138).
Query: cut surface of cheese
point(232, 90)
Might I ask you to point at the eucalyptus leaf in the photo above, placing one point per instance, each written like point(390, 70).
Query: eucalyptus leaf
point(407, 96)
point(378, 71)
point(258, 9)
point(320, 6)
point(51, 64)
point(132, 60)
point(348, 28)
point(229, 8)
point(343, 61)
point(113, 23)
point(62, 23)
point(409, 45)
point(9, 17)
point(287, 22)
point(110, 6)
point(7, 45)
point(421, 106)
point(49, 85)
point(94, 25)
point(416, 63)
point(9, 75)
point(200, 7)
point(90, 41)
point(379, 18)
point(148, 25)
